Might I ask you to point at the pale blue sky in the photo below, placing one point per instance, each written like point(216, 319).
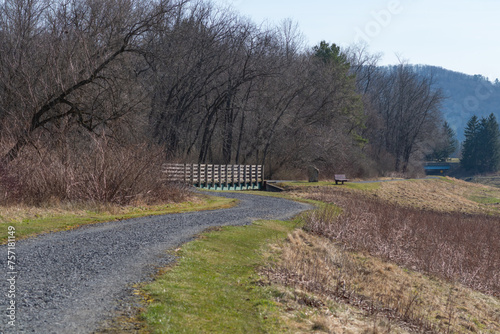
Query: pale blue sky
point(461, 35)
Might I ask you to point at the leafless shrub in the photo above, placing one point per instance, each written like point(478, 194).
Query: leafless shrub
point(102, 173)
point(456, 246)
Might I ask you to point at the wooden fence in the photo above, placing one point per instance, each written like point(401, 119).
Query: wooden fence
point(219, 177)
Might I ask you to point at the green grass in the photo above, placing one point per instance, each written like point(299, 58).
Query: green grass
point(213, 288)
point(283, 195)
point(43, 223)
point(486, 196)
point(363, 186)
point(446, 179)
point(484, 199)
point(306, 183)
point(350, 185)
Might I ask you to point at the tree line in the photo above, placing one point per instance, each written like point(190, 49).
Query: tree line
point(205, 85)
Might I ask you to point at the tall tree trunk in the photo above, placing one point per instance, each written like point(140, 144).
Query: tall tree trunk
point(207, 137)
point(227, 144)
point(240, 137)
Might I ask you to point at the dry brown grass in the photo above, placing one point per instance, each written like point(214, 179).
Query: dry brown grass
point(440, 195)
point(352, 292)
point(456, 246)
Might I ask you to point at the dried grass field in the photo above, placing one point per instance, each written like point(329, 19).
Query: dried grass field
point(405, 256)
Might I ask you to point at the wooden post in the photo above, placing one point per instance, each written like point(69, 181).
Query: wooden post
point(199, 175)
point(245, 174)
point(232, 175)
point(220, 175)
point(239, 175)
point(226, 175)
point(213, 176)
point(206, 175)
point(191, 176)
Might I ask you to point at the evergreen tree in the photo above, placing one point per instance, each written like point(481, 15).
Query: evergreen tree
point(331, 54)
point(481, 148)
point(470, 149)
point(489, 145)
point(451, 140)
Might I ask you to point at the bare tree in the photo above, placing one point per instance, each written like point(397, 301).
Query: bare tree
point(71, 60)
point(204, 80)
point(408, 106)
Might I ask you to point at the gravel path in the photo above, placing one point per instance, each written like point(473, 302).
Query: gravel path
point(70, 282)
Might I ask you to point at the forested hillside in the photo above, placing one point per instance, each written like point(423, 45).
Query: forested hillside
point(90, 87)
point(466, 95)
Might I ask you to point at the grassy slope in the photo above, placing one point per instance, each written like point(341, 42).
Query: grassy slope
point(30, 221)
point(441, 194)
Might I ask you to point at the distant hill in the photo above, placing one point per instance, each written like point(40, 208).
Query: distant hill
point(466, 95)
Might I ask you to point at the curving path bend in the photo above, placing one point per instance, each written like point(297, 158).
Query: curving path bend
point(69, 282)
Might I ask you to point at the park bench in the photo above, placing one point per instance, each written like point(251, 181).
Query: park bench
point(340, 178)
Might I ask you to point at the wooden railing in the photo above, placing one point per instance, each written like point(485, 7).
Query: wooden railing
point(230, 177)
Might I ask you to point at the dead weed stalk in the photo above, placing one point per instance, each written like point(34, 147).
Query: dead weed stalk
point(456, 246)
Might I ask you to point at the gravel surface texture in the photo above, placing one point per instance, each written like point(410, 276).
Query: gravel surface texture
point(72, 281)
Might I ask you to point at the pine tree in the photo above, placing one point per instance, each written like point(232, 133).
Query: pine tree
point(469, 159)
point(481, 148)
point(489, 145)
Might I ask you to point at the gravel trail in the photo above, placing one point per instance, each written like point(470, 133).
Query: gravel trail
point(70, 282)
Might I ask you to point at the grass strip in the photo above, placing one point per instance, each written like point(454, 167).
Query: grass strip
point(368, 186)
point(49, 221)
point(214, 287)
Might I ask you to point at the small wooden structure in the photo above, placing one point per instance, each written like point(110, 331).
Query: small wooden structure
point(217, 177)
point(340, 178)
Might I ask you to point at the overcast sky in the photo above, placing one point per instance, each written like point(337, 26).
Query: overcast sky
point(460, 35)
